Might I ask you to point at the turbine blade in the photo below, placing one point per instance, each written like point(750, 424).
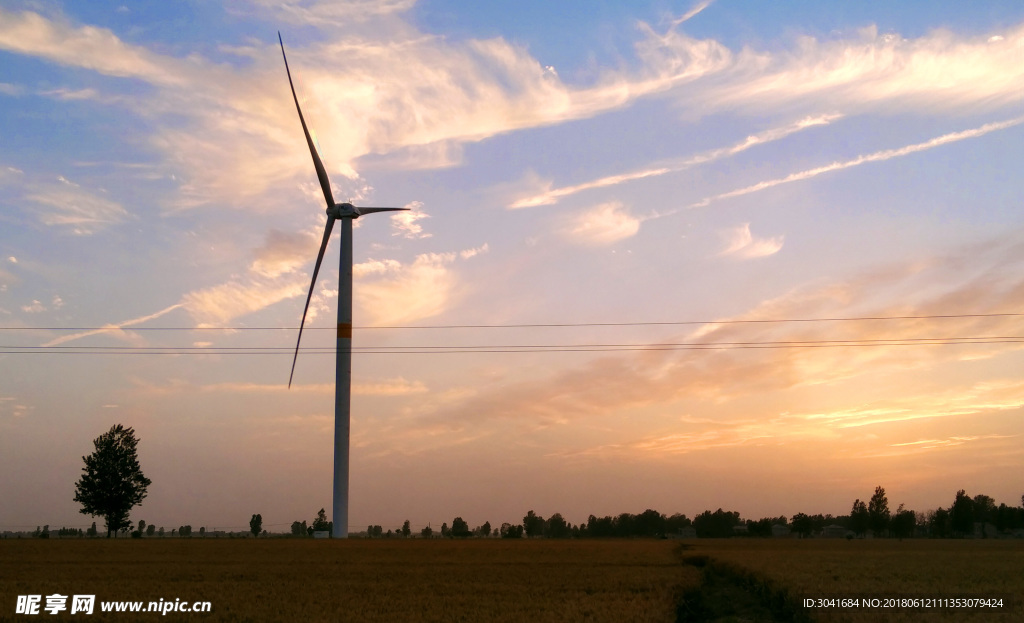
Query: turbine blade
point(316, 270)
point(321, 173)
point(371, 210)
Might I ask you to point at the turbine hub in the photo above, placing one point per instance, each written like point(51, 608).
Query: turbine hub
point(343, 210)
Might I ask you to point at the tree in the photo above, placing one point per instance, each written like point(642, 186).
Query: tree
point(938, 523)
point(142, 527)
point(557, 528)
point(508, 531)
point(427, 532)
point(716, 525)
point(113, 482)
point(256, 525)
point(460, 528)
point(92, 530)
point(445, 532)
point(321, 523)
point(984, 511)
point(533, 524)
point(150, 530)
point(650, 523)
point(802, 524)
point(878, 512)
point(859, 517)
point(406, 530)
point(961, 515)
point(903, 523)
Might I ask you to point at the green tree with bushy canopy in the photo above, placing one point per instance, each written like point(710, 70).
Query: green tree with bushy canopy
point(112, 482)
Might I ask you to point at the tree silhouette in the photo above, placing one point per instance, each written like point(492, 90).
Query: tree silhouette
point(533, 524)
point(321, 523)
point(903, 522)
point(802, 524)
point(556, 527)
point(406, 530)
point(113, 482)
point(508, 531)
point(938, 523)
point(878, 512)
point(460, 528)
point(256, 525)
point(859, 517)
point(984, 511)
point(717, 525)
point(961, 515)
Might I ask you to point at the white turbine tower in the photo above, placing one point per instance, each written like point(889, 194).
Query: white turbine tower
point(345, 212)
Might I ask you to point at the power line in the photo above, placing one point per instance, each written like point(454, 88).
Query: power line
point(509, 348)
point(534, 325)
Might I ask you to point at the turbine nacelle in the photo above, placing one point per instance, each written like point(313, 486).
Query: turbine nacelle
point(344, 210)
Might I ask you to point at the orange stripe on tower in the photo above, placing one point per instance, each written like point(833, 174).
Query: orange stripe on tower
point(344, 331)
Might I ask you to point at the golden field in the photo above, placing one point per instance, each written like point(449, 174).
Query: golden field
point(500, 580)
point(358, 580)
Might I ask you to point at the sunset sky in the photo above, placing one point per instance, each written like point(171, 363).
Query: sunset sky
point(636, 174)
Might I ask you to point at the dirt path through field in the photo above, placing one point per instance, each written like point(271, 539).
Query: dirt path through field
point(730, 593)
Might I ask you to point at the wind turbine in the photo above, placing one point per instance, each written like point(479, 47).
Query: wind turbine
point(346, 213)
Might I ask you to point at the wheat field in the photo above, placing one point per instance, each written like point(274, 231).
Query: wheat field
point(282, 579)
point(359, 580)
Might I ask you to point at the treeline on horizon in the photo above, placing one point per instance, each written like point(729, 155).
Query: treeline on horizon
point(965, 517)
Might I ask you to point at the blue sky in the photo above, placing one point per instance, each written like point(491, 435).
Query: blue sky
point(564, 163)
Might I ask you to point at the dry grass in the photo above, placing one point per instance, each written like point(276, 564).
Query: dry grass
point(883, 567)
point(354, 580)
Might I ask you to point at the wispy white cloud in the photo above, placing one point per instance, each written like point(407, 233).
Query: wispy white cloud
point(11, 89)
point(475, 251)
point(405, 224)
point(69, 205)
point(375, 267)
point(878, 156)
point(332, 13)
point(550, 196)
point(283, 252)
point(392, 293)
point(940, 70)
point(218, 305)
point(114, 328)
point(741, 244)
point(89, 47)
point(599, 225)
point(693, 12)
